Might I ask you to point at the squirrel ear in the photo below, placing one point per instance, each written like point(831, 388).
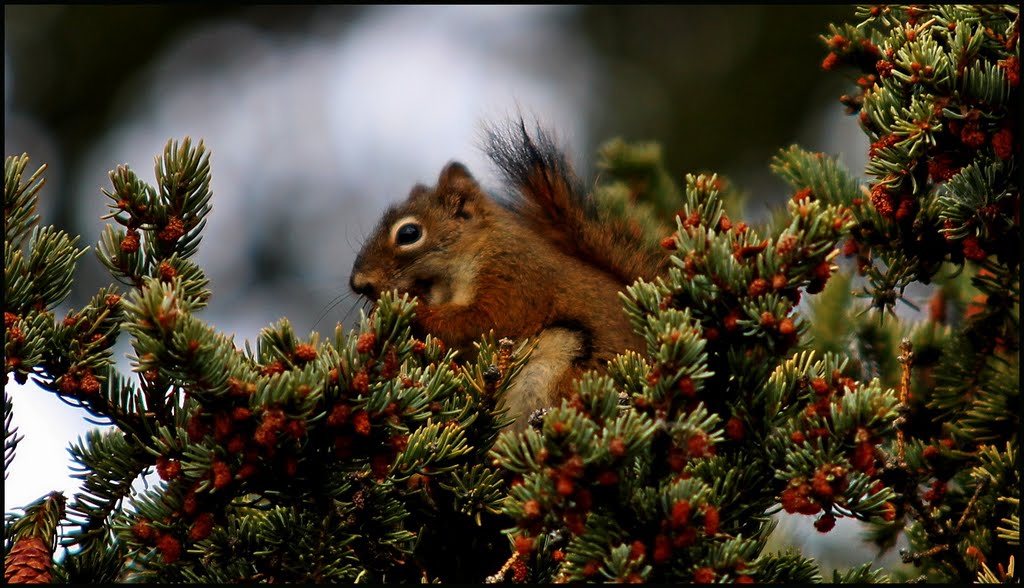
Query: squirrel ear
point(455, 176)
point(417, 191)
point(458, 189)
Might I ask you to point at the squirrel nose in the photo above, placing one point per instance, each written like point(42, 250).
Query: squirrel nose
point(362, 285)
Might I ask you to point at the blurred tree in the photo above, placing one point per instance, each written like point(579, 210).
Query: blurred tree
point(674, 74)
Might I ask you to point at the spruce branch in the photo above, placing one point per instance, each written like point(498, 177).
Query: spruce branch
point(11, 435)
point(20, 198)
point(30, 559)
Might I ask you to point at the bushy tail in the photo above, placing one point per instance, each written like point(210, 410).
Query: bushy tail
point(548, 196)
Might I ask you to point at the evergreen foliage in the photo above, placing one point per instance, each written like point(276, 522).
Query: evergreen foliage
point(377, 456)
point(938, 95)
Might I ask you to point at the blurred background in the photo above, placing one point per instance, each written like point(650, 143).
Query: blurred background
point(318, 117)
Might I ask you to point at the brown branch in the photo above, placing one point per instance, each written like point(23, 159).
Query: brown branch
point(906, 357)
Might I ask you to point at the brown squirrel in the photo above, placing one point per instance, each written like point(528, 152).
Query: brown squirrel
point(539, 263)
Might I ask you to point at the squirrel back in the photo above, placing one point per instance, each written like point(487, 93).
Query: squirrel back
point(549, 198)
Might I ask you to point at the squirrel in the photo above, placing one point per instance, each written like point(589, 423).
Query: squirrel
point(540, 262)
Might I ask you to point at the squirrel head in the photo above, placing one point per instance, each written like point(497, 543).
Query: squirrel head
point(425, 245)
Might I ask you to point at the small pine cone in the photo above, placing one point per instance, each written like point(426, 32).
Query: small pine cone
point(28, 562)
point(504, 354)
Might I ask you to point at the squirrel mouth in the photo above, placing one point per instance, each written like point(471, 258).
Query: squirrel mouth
point(421, 289)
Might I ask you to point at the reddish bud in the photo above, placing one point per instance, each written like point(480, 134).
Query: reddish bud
point(519, 571)
point(724, 224)
point(837, 43)
point(850, 247)
point(676, 459)
point(637, 550)
point(296, 428)
point(305, 352)
point(796, 499)
point(786, 327)
point(584, 500)
point(1012, 67)
point(1002, 144)
point(247, 470)
point(339, 415)
point(686, 387)
point(785, 244)
point(390, 367)
point(361, 382)
point(89, 384)
point(823, 482)
point(734, 429)
point(366, 342)
point(202, 527)
point(166, 271)
point(173, 231)
point(531, 509)
point(711, 519)
point(130, 243)
point(168, 469)
point(936, 493)
point(565, 486)
point(975, 553)
point(574, 523)
point(758, 287)
point(274, 367)
point(662, 549)
point(144, 531)
point(883, 200)
point(699, 445)
point(704, 576)
point(941, 168)
point(731, 320)
point(864, 458)
point(804, 194)
point(221, 474)
point(680, 513)
point(906, 209)
point(820, 386)
point(380, 464)
point(617, 447)
point(825, 522)
point(653, 376)
point(169, 548)
point(971, 136)
point(190, 503)
point(361, 422)
point(972, 250)
point(889, 514)
point(67, 384)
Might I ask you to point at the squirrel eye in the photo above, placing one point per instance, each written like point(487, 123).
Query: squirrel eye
point(408, 234)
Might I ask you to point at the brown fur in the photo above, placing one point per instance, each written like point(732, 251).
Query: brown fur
point(537, 263)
